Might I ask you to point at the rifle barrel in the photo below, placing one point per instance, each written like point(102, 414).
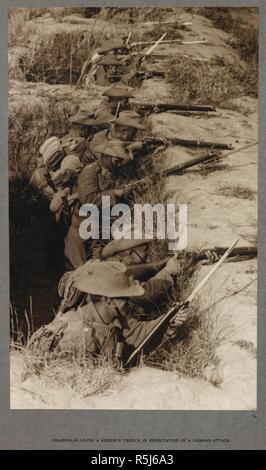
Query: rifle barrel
point(187, 143)
point(195, 161)
point(188, 164)
point(196, 143)
point(238, 251)
point(173, 107)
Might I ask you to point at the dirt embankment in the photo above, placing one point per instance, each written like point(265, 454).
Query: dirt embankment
point(222, 207)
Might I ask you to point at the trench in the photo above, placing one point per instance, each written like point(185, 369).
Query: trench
point(36, 258)
point(42, 246)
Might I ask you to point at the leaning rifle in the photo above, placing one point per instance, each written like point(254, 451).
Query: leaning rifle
point(178, 308)
point(178, 169)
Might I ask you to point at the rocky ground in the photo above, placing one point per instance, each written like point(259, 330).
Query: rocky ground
point(222, 207)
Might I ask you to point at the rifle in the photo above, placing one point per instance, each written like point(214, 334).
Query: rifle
point(179, 54)
point(178, 169)
point(163, 107)
point(144, 75)
point(149, 144)
point(178, 308)
point(171, 41)
point(236, 253)
point(146, 270)
point(150, 23)
point(157, 141)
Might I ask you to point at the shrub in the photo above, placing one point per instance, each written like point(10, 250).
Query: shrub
point(29, 126)
point(57, 58)
point(244, 38)
point(193, 349)
point(211, 83)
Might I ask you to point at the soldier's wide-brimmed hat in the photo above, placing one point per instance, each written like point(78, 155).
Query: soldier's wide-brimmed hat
point(85, 120)
point(110, 60)
point(129, 119)
point(125, 242)
point(113, 148)
point(52, 151)
point(119, 91)
point(108, 279)
point(111, 46)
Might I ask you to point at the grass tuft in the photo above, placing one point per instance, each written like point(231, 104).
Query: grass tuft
point(193, 349)
point(29, 126)
point(210, 83)
point(240, 192)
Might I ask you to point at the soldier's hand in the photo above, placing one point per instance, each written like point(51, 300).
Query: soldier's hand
point(118, 192)
point(179, 319)
point(57, 201)
point(211, 257)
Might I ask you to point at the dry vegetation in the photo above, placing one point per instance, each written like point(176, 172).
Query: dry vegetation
point(29, 126)
point(59, 60)
point(220, 80)
point(213, 83)
point(194, 348)
point(243, 37)
point(56, 58)
point(238, 191)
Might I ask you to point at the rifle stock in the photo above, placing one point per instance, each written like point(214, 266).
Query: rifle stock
point(146, 270)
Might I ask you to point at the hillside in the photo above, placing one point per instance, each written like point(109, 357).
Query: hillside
point(222, 207)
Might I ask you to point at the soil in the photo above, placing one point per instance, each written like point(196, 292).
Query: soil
point(216, 217)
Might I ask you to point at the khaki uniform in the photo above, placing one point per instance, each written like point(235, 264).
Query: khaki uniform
point(103, 327)
point(135, 329)
point(93, 183)
point(103, 111)
point(108, 326)
point(99, 138)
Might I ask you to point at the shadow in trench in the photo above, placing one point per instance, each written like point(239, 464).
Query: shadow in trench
point(36, 254)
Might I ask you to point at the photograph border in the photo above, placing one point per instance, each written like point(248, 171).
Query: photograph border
point(141, 429)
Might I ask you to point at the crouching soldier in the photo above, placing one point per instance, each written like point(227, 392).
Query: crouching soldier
point(114, 96)
point(109, 69)
point(94, 182)
point(123, 128)
point(88, 122)
point(52, 154)
point(103, 324)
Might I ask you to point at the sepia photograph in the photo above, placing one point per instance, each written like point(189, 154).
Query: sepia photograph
point(133, 202)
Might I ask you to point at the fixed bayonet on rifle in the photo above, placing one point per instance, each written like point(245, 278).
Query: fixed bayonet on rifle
point(207, 254)
point(146, 270)
point(178, 308)
point(178, 169)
